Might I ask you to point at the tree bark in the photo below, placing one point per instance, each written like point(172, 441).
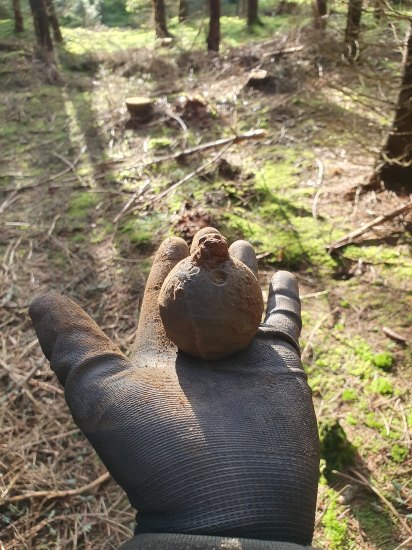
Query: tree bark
point(353, 22)
point(41, 25)
point(396, 160)
point(213, 37)
point(252, 13)
point(183, 10)
point(54, 23)
point(160, 19)
point(321, 13)
point(18, 18)
point(378, 10)
point(241, 8)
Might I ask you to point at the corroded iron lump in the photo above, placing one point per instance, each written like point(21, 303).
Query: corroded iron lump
point(211, 304)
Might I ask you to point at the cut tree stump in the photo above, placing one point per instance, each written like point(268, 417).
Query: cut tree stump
point(258, 79)
point(140, 108)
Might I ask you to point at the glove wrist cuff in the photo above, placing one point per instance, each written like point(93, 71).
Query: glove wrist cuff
point(177, 541)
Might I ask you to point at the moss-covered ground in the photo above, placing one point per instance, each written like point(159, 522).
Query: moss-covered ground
point(79, 213)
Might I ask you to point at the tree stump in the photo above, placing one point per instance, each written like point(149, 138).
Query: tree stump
point(259, 79)
point(140, 108)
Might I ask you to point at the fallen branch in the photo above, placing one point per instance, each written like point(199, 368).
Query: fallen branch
point(404, 544)
point(382, 497)
point(394, 335)
point(189, 176)
point(283, 51)
point(314, 294)
point(361, 480)
point(349, 237)
point(186, 178)
point(47, 495)
point(319, 182)
point(225, 143)
point(251, 134)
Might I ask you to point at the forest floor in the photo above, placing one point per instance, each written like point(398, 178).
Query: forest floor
point(80, 213)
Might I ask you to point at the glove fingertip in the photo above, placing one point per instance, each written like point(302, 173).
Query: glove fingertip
point(38, 310)
point(244, 251)
point(284, 282)
point(172, 249)
point(41, 304)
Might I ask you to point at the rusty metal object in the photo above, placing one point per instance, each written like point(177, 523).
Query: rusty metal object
point(211, 304)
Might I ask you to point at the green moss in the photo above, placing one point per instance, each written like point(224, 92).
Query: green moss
point(399, 453)
point(353, 354)
point(349, 395)
point(335, 527)
point(372, 421)
point(376, 523)
point(382, 386)
point(383, 360)
point(79, 41)
point(281, 223)
point(146, 231)
point(351, 419)
point(78, 238)
point(337, 451)
point(6, 28)
point(398, 259)
point(100, 233)
point(160, 143)
point(81, 204)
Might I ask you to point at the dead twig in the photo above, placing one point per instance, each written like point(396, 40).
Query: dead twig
point(9, 201)
point(282, 51)
point(314, 331)
point(382, 497)
point(47, 495)
point(129, 203)
point(349, 237)
point(224, 142)
point(314, 294)
point(71, 165)
point(251, 134)
point(394, 335)
point(186, 178)
point(319, 181)
point(404, 544)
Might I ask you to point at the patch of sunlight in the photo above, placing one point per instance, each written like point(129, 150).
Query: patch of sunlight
point(352, 105)
point(79, 41)
point(77, 136)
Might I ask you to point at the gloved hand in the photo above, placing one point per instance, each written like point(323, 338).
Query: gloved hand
point(227, 447)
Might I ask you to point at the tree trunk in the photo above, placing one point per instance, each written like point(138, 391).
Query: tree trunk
point(396, 160)
point(379, 10)
point(241, 8)
point(18, 18)
point(41, 25)
point(252, 13)
point(160, 19)
point(353, 22)
point(54, 21)
point(213, 37)
point(321, 13)
point(183, 10)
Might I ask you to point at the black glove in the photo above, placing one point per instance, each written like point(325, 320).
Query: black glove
point(227, 447)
